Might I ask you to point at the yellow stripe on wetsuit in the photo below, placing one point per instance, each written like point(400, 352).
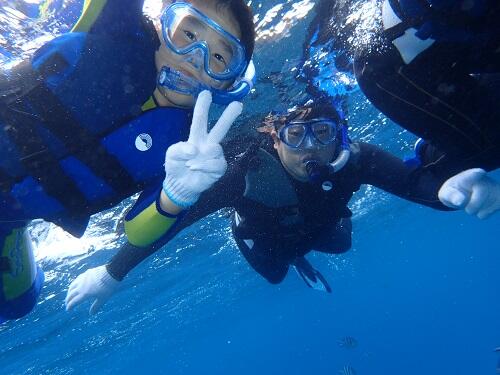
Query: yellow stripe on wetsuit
point(18, 249)
point(150, 104)
point(91, 11)
point(148, 226)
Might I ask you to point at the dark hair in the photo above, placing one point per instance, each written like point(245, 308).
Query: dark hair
point(244, 16)
point(310, 110)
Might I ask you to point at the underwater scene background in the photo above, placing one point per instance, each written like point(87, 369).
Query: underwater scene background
point(417, 294)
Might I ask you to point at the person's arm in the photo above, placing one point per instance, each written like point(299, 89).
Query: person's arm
point(389, 173)
point(100, 283)
point(191, 168)
point(224, 193)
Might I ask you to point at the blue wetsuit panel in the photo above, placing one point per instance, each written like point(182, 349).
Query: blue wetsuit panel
point(105, 80)
point(154, 132)
point(92, 187)
point(35, 203)
point(69, 46)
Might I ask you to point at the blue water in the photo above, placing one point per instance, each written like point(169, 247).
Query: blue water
point(419, 291)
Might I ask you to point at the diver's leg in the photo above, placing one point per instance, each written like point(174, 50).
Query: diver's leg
point(21, 279)
point(434, 97)
point(336, 240)
point(262, 261)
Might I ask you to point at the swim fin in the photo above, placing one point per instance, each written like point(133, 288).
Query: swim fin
point(312, 277)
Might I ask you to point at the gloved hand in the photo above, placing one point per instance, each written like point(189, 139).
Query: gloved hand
point(472, 190)
point(94, 284)
point(194, 166)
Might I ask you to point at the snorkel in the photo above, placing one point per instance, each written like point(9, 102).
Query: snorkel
point(320, 173)
point(181, 83)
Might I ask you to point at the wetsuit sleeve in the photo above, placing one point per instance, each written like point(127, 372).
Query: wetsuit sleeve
point(115, 17)
point(147, 218)
point(387, 172)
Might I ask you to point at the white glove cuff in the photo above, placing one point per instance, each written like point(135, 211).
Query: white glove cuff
point(178, 194)
point(105, 278)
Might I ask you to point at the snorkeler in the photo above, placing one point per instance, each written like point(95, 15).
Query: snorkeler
point(435, 70)
point(86, 122)
point(289, 194)
point(432, 67)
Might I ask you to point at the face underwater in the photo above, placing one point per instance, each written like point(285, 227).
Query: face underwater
point(199, 41)
point(294, 159)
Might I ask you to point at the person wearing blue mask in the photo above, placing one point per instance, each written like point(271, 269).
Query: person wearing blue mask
point(289, 193)
point(87, 120)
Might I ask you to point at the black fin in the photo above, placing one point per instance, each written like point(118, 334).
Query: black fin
point(312, 277)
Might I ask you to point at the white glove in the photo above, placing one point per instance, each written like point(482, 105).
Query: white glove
point(95, 283)
point(473, 191)
point(194, 166)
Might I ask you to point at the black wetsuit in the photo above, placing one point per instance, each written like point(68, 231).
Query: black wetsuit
point(281, 231)
point(448, 95)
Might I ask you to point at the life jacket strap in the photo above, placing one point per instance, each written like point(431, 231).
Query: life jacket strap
point(23, 120)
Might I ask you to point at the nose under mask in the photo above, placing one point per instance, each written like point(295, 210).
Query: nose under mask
point(195, 58)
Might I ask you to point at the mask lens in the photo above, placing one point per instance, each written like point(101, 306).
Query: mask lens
point(324, 132)
point(293, 134)
point(186, 30)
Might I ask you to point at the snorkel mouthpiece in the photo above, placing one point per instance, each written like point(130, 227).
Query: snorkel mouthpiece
point(317, 172)
point(177, 81)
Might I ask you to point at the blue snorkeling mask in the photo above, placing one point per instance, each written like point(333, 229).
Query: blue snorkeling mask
point(202, 43)
point(309, 134)
point(190, 33)
point(317, 133)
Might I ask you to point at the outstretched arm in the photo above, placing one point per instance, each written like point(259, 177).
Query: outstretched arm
point(191, 168)
point(387, 172)
point(224, 193)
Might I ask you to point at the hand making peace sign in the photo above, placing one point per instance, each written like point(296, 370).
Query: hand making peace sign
point(194, 166)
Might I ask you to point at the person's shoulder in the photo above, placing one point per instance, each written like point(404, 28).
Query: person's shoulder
point(108, 16)
point(240, 147)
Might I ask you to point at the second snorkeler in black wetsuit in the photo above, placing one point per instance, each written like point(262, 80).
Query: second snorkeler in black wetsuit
point(431, 66)
point(290, 196)
point(435, 71)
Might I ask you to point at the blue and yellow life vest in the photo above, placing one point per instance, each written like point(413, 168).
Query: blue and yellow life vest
point(80, 130)
point(21, 279)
